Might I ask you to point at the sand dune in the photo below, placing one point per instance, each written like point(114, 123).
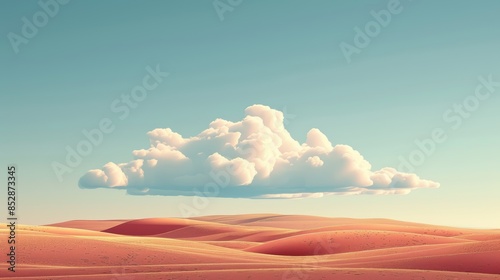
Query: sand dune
point(424, 229)
point(151, 226)
point(260, 246)
point(481, 236)
point(95, 225)
point(335, 242)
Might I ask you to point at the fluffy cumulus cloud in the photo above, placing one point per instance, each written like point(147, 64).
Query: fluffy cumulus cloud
point(255, 157)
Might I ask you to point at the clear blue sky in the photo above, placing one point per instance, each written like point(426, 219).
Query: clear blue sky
point(284, 54)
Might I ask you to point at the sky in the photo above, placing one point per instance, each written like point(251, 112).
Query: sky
point(378, 76)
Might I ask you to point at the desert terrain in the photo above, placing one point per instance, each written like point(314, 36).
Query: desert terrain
point(260, 246)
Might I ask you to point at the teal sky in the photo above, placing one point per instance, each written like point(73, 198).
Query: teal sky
point(284, 54)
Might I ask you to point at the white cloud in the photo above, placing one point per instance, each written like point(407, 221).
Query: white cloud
point(255, 157)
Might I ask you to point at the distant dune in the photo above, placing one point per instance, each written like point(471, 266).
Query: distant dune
point(260, 246)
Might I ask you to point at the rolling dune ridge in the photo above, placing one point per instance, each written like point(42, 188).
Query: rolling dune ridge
point(257, 246)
